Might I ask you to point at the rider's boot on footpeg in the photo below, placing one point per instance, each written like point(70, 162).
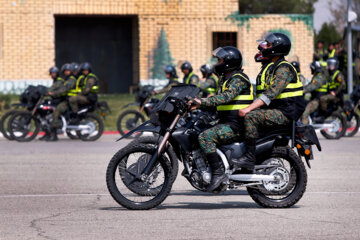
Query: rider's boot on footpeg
point(248, 159)
point(217, 170)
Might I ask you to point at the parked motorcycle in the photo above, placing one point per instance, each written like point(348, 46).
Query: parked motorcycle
point(24, 125)
point(140, 176)
point(130, 119)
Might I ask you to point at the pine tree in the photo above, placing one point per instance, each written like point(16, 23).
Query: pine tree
point(162, 57)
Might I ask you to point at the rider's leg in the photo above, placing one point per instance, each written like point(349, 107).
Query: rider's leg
point(310, 108)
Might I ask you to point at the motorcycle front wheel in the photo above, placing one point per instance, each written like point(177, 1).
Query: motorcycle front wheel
point(4, 124)
point(290, 183)
point(124, 182)
point(23, 127)
point(95, 128)
point(339, 126)
point(129, 120)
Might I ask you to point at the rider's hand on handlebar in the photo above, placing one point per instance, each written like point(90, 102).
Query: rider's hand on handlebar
point(332, 93)
point(194, 103)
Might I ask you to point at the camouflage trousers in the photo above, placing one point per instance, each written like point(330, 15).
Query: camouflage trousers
point(263, 118)
point(310, 108)
point(218, 135)
point(326, 99)
point(60, 109)
point(75, 101)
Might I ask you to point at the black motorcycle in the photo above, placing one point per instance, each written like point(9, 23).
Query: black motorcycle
point(130, 119)
point(24, 126)
point(140, 176)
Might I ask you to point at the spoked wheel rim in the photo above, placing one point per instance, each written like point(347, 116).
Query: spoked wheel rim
point(129, 121)
point(92, 128)
point(337, 129)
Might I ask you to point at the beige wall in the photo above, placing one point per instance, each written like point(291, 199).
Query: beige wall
point(27, 32)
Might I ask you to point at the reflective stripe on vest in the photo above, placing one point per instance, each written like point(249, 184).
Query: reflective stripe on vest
point(334, 84)
point(292, 89)
point(187, 81)
point(212, 90)
point(95, 88)
point(239, 102)
point(72, 91)
point(332, 54)
point(323, 88)
point(260, 88)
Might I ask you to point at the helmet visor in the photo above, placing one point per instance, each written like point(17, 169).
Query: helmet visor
point(219, 53)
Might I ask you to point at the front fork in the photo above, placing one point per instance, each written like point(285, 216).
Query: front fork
point(149, 167)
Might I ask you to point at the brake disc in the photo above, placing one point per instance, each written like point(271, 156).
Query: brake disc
point(282, 177)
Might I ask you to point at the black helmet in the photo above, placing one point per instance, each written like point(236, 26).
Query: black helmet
point(296, 65)
point(85, 66)
point(186, 65)
point(54, 70)
point(75, 67)
point(333, 64)
point(206, 69)
point(315, 67)
point(280, 45)
point(232, 59)
point(170, 70)
point(66, 66)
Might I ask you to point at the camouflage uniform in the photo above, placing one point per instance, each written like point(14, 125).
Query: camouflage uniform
point(329, 98)
point(302, 79)
point(282, 76)
point(316, 82)
point(83, 97)
point(70, 82)
point(209, 86)
point(227, 131)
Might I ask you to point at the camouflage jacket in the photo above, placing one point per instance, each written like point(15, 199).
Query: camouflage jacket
point(317, 81)
point(57, 83)
point(70, 82)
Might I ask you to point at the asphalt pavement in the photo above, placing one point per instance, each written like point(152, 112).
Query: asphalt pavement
point(57, 190)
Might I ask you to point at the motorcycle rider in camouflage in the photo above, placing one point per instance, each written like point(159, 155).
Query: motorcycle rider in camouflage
point(296, 64)
point(317, 87)
point(236, 93)
point(209, 84)
point(189, 76)
point(281, 101)
point(170, 73)
point(336, 84)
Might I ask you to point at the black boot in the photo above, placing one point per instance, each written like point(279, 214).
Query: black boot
point(248, 159)
point(53, 137)
point(46, 136)
point(217, 170)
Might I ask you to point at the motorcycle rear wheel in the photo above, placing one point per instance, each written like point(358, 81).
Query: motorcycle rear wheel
point(288, 194)
point(23, 127)
point(352, 126)
point(342, 126)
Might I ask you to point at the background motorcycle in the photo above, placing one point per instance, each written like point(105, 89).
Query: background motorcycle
point(140, 176)
point(349, 111)
point(130, 119)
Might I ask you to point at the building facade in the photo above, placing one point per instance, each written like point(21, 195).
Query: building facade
point(119, 37)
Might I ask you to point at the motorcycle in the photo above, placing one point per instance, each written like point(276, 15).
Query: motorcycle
point(24, 126)
point(140, 176)
point(331, 123)
point(130, 119)
point(349, 111)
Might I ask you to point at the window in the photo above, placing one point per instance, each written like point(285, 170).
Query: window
point(221, 39)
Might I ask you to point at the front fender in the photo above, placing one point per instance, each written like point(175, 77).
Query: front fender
point(145, 127)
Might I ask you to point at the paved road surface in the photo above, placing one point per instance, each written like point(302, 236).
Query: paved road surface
point(58, 191)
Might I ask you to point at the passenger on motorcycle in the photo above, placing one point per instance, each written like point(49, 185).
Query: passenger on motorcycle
point(63, 94)
point(336, 84)
point(189, 76)
point(209, 84)
point(170, 73)
point(266, 68)
point(281, 101)
point(75, 69)
point(317, 87)
point(87, 87)
point(296, 64)
point(236, 93)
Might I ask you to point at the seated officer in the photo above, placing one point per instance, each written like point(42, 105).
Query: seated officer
point(297, 67)
point(336, 84)
point(170, 73)
point(317, 87)
point(281, 101)
point(189, 76)
point(87, 87)
point(210, 83)
point(236, 93)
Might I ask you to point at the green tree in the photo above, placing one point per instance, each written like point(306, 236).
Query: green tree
point(328, 34)
point(162, 57)
point(276, 6)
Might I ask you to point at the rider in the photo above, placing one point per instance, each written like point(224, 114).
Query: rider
point(264, 72)
point(320, 54)
point(87, 87)
point(189, 76)
point(281, 102)
point(210, 84)
point(63, 93)
point(296, 64)
point(317, 87)
point(170, 73)
point(75, 69)
point(236, 93)
point(58, 82)
point(336, 84)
